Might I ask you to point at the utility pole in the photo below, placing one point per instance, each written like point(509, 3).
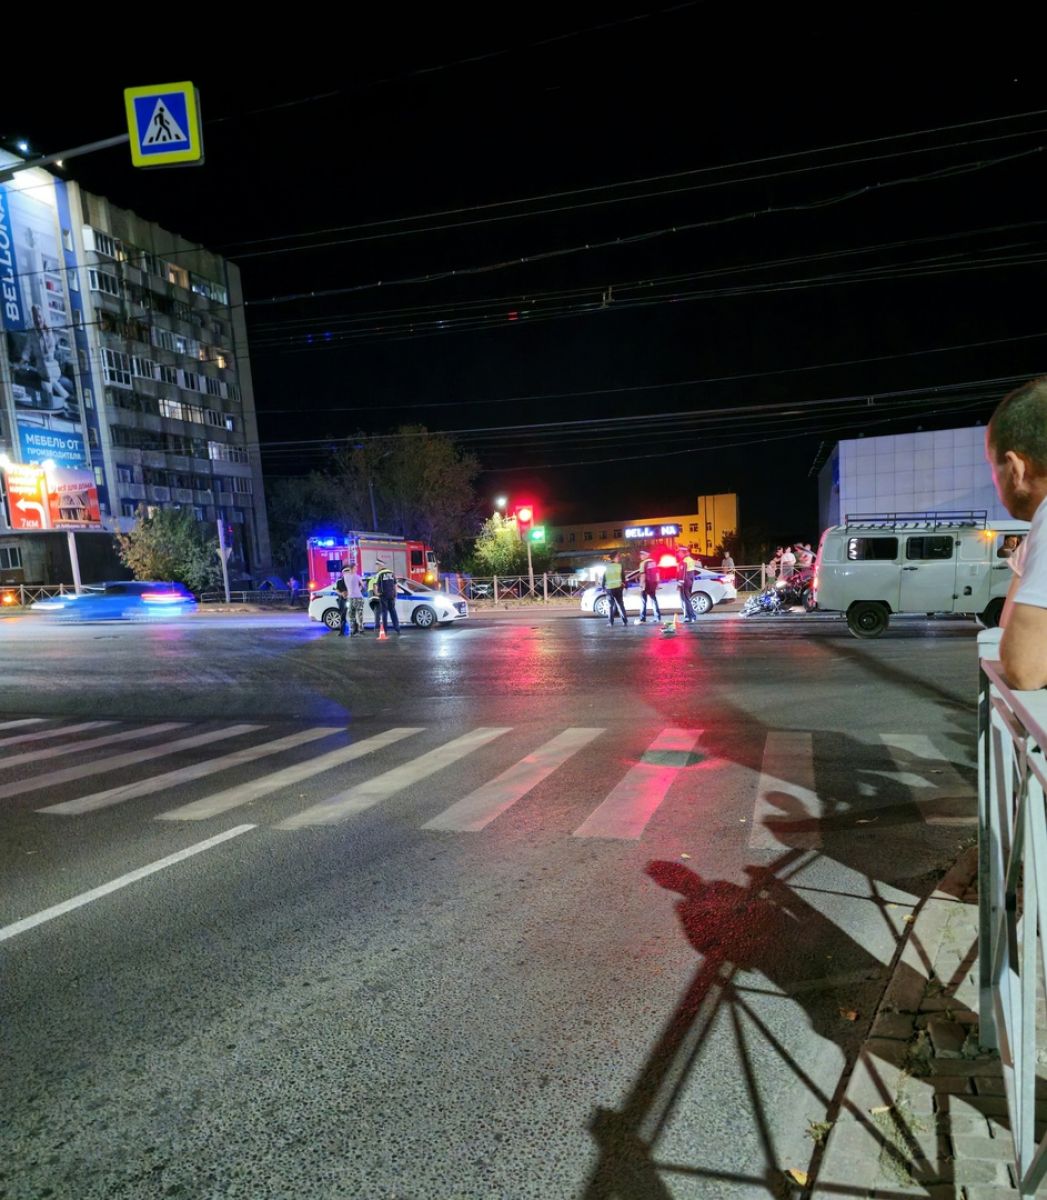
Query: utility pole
point(223, 554)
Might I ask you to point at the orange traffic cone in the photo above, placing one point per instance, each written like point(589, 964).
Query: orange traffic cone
point(382, 635)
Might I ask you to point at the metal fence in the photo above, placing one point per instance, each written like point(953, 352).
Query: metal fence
point(268, 597)
point(1012, 893)
point(23, 595)
point(555, 586)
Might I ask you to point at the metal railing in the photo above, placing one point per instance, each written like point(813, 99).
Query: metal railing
point(501, 589)
point(270, 597)
point(1012, 893)
point(23, 595)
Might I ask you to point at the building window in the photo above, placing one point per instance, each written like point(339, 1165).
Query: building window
point(693, 527)
point(570, 537)
point(124, 474)
point(230, 424)
point(242, 485)
point(144, 368)
point(220, 452)
point(189, 380)
point(214, 386)
point(617, 533)
point(166, 374)
point(100, 242)
point(10, 558)
point(179, 276)
point(560, 538)
point(588, 535)
point(102, 281)
point(603, 535)
point(127, 508)
point(214, 418)
point(116, 369)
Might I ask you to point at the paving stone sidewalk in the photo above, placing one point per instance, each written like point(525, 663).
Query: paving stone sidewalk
point(924, 1112)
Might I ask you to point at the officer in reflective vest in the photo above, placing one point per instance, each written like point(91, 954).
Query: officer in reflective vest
point(688, 567)
point(613, 582)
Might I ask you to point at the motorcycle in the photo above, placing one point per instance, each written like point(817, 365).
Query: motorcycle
point(796, 589)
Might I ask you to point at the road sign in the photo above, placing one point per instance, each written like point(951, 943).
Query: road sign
point(27, 504)
point(164, 123)
point(537, 534)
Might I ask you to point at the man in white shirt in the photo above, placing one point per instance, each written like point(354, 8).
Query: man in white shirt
point(1016, 447)
point(354, 587)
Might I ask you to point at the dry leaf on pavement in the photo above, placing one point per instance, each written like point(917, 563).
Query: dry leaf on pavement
point(797, 1176)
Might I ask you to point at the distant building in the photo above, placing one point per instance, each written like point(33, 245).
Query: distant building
point(125, 358)
point(942, 469)
point(701, 531)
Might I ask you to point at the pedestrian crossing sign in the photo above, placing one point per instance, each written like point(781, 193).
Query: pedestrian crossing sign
point(164, 123)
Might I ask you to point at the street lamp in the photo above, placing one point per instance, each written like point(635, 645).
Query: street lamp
point(501, 501)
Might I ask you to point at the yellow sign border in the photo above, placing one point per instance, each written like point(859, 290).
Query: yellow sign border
point(195, 151)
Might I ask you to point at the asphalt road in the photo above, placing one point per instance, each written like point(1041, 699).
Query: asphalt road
point(526, 907)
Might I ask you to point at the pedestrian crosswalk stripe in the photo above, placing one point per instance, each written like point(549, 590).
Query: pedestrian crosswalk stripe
point(481, 807)
point(785, 792)
point(364, 795)
point(635, 798)
point(128, 735)
point(43, 734)
point(22, 721)
point(220, 802)
point(943, 795)
point(132, 759)
point(169, 779)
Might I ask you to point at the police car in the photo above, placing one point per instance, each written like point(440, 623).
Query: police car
point(416, 604)
point(706, 593)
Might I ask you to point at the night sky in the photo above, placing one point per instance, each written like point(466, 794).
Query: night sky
point(586, 138)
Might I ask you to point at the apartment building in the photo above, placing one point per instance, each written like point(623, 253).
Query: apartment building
point(126, 356)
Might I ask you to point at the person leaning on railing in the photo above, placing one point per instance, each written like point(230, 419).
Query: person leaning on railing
point(1016, 447)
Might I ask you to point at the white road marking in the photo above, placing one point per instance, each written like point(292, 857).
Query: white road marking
point(44, 734)
point(479, 808)
point(114, 885)
point(371, 791)
point(635, 798)
point(131, 759)
point(210, 766)
point(23, 721)
point(944, 797)
point(785, 792)
point(129, 735)
point(220, 802)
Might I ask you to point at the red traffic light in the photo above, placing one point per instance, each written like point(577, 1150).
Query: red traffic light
point(525, 515)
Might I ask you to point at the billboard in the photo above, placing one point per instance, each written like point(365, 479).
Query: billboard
point(35, 317)
point(51, 498)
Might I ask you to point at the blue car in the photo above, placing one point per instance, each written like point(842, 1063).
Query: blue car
point(121, 600)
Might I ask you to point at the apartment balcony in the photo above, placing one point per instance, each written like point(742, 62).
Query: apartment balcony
point(131, 491)
point(161, 495)
point(182, 495)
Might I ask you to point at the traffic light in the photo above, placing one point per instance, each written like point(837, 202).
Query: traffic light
point(525, 516)
point(537, 534)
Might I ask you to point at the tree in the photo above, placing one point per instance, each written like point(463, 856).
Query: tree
point(171, 545)
point(300, 508)
point(500, 550)
point(416, 483)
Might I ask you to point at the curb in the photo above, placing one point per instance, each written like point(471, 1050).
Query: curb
point(886, 1115)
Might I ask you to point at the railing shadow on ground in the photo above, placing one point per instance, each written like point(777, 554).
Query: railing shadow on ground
point(723, 922)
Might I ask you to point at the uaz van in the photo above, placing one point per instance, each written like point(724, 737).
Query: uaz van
point(876, 564)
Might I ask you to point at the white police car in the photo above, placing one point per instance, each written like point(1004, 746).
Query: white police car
point(705, 595)
point(416, 604)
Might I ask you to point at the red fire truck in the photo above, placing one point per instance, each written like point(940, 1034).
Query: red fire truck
point(406, 559)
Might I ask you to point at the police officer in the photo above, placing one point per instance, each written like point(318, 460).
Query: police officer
point(384, 585)
point(614, 582)
point(649, 579)
point(685, 576)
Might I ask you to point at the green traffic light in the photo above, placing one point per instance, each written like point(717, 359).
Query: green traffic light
point(538, 533)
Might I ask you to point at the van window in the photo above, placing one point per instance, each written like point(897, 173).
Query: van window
point(861, 549)
point(929, 547)
point(416, 558)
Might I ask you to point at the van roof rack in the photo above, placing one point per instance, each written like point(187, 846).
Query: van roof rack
point(971, 518)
